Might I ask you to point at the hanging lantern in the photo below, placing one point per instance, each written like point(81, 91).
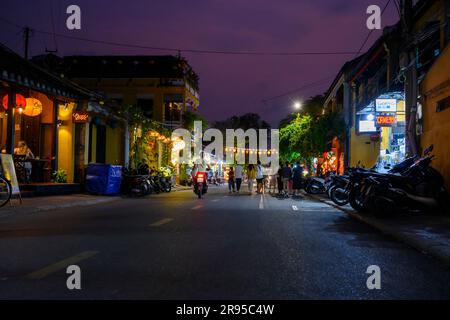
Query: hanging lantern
point(20, 101)
point(33, 107)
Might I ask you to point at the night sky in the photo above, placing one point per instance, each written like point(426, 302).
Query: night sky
point(229, 84)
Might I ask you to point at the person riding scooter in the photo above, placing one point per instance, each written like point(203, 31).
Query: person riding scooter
point(199, 177)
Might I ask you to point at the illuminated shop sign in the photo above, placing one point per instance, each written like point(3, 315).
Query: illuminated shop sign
point(386, 105)
point(80, 117)
point(367, 126)
point(386, 121)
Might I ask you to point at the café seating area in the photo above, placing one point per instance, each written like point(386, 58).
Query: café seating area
point(41, 170)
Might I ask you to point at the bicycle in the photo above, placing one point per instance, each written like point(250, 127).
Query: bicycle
point(5, 191)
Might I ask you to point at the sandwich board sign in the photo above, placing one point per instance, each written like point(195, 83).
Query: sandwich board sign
point(9, 172)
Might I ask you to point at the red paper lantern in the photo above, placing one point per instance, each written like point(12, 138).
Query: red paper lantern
point(20, 101)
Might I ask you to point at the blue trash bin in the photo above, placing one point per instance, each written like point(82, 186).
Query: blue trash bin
point(103, 179)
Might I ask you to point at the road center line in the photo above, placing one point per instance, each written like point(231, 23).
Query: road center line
point(261, 203)
point(46, 271)
point(161, 222)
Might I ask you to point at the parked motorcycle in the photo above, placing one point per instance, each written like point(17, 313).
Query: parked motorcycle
point(420, 188)
point(315, 185)
point(337, 189)
point(136, 185)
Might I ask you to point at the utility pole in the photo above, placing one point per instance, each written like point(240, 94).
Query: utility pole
point(411, 88)
point(26, 34)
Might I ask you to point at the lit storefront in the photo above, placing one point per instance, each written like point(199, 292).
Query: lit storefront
point(384, 121)
point(36, 108)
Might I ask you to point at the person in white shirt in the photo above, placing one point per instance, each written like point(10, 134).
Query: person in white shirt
point(238, 176)
point(259, 178)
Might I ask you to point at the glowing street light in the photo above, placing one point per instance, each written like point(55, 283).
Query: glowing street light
point(297, 105)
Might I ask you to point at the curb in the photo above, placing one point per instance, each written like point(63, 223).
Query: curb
point(435, 250)
point(34, 210)
point(181, 188)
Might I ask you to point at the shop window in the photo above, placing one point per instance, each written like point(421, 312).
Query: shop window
point(147, 106)
point(443, 104)
point(172, 112)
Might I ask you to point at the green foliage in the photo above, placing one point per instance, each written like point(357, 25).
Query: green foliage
point(60, 176)
point(139, 126)
point(306, 136)
point(313, 106)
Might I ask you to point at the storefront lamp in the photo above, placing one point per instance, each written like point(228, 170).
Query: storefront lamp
point(33, 107)
point(370, 117)
point(20, 101)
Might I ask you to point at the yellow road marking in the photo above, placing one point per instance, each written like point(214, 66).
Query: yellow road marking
point(46, 271)
point(161, 222)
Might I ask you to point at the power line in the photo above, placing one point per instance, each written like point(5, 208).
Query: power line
point(371, 31)
point(305, 86)
point(322, 80)
point(186, 50)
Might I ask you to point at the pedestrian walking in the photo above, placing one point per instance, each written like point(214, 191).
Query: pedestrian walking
point(280, 180)
point(297, 177)
point(238, 175)
point(231, 182)
point(251, 176)
point(259, 178)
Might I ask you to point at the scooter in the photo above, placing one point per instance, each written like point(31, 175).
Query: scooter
point(200, 184)
point(315, 185)
point(137, 185)
point(337, 192)
point(421, 188)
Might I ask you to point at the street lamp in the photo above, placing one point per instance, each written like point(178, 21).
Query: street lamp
point(297, 105)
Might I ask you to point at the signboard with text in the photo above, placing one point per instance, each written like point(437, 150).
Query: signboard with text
point(386, 105)
point(386, 120)
point(9, 172)
point(80, 116)
point(367, 126)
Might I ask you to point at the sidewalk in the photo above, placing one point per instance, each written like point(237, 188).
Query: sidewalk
point(428, 234)
point(40, 204)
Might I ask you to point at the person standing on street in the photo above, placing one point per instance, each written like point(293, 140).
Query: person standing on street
point(251, 176)
point(297, 177)
point(231, 185)
point(238, 175)
point(259, 178)
point(286, 175)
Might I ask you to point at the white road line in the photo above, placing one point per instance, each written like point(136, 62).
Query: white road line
point(215, 200)
point(261, 203)
point(295, 208)
point(197, 207)
point(161, 222)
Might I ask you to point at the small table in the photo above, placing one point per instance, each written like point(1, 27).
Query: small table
point(37, 170)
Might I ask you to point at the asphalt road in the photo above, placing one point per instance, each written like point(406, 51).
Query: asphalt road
point(174, 246)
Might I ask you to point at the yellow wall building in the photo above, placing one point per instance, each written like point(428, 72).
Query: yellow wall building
point(436, 113)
